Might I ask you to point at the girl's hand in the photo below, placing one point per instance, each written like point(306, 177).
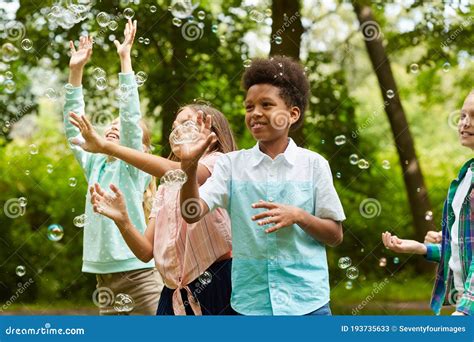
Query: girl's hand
point(192, 152)
point(402, 246)
point(280, 214)
point(433, 237)
point(124, 49)
point(111, 205)
point(82, 55)
point(93, 141)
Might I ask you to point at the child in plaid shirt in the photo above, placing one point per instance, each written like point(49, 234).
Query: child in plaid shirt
point(454, 282)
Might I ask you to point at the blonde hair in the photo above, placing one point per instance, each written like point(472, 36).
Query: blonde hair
point(220, 126)
point(150, 191)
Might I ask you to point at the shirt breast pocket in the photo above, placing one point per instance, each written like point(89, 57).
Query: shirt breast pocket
point(299, 195)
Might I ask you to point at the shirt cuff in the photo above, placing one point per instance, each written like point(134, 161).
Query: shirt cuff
point(127, 78)
point(72, 92)
point(432, 252)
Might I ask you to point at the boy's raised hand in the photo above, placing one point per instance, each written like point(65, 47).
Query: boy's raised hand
point(82, 55)
point(111, 205)
point(189, 154)
point(398, 245)
point(124, 48)
point(433, 237)
point(93, 141)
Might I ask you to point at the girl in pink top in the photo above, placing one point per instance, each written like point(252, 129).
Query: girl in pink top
point(193, 259)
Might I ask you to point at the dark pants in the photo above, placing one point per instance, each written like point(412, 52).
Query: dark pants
point(213, 292)
point(324, 310)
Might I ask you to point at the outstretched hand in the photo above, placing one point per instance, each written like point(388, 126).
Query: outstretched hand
point(111, 205)
point(124, 48)
point(191, 153)
point(82, 55)
point(93, 142)
point(398, 245)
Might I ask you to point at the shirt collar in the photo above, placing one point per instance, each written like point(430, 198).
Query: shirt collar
point(289, 156)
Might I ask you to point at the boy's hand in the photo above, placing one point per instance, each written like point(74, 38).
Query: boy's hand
point(111, 205)
point(93, 141)
point(280, 214)
point(129, 35)
point(82, 55)
point(402, 246)
point(189, 154)
point(433, 237)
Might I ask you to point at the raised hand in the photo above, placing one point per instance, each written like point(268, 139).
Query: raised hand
point(124, 48)
point(111, 205)
point(93, 142)
point(192, 152)
point(82, 55)
point(398, 245)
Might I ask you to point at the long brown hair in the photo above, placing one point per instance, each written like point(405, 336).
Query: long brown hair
point(150, 191)
point(220, 126)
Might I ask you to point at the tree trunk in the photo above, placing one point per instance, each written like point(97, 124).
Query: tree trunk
point(414, 183)
point(286, 40)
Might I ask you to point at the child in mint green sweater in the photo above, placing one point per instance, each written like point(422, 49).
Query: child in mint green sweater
point(125, 285)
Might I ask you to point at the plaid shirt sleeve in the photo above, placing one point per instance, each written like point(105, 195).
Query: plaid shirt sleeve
point(433, 252)
point(466, 303)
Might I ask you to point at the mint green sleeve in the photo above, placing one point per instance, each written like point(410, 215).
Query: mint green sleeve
point(131, 133)
point(74, 102)
point(433, 252)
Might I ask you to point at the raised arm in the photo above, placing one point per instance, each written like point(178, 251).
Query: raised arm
point(74, 100)
point(153, 165)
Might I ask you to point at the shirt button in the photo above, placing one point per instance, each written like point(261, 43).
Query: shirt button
point(270, 199)
point(272, 286)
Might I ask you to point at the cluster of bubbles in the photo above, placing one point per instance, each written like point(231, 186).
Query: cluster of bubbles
point(352, 272)
point(361, 163)
point(186, 133)
point(174, 178)
point(123, 303)
point(415, 68)
point(100, 78)
point(344, 263)
point(67, 17)
point(429, 215)
point(55, 232)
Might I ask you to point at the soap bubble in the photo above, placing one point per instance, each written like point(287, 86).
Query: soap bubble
point(33, 149)
point(128, 13)
point(446, 67)
point(26, 44)
point(396, 260)
point(390, 94)
point(174, 178)
point(256, 16)
point(186, 133)
point(344, 262)
point(363, 164)
point(101, 83)
point(80, 221)
point(201, 15)
point(205, 278)
point(20, 270)
point(153, 9)
point(429, 215)
point(354, 159)
point(340, 140)
point(22, 201)
point(182, 9)
point(278, 40)
point(72, 182)
point(99, 73)
point(55, 232)
point(113, 25)
point(103, 19)
point(141, 78)
point(352, 272)
point(177, 22)
point(123, 303)
point(9, 86)
point(414, 68)
point(386, 164)
point(348, 285)
point(49, 168)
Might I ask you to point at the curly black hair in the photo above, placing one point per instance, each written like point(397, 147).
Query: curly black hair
point(284, 73)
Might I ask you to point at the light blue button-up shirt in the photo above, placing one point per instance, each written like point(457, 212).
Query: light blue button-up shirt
point(285, 272)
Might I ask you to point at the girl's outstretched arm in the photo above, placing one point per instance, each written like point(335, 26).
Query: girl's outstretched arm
point(112, 205)
point(151, 164)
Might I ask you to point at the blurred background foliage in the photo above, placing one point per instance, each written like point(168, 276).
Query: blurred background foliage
point(430, 49)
